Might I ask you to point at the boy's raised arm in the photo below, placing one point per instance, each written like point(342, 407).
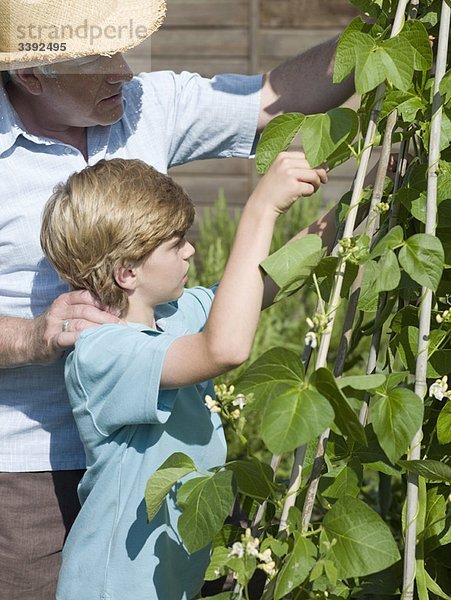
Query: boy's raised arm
point(227, 338)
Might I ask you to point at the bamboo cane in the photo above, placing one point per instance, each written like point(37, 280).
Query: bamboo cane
point(348, 231)
point(376, 337)
point(426, 304)
point(371, 229)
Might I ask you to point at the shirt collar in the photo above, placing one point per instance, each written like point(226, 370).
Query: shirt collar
point(10, 125)
point(144, 328)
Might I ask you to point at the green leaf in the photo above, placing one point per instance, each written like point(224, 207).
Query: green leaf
point(369, 292)
point(406, 343)
point(345, 54)
point(205, 509)
point(414, 33)
point(422, 258)
point(217, 563)
point(276, 137)
point(444, 425)
point(433, 470)
point(445, 87)
point(389, 272)
point(362, 382)
point(437, 530)
point(373, 8)
point(434, 587)
point(445, 129)
point(406, 103)
point(275, 366)
point(293, 416)
point(414, 201)
point(397, 56)
point(253, 477)
point(323, 133)
point(159, 483)
point(325, 274)
point(392, 381)
point(363, 542)
point(392, 240)
point(296, 568)
point(372, 456)
point(290, 266)
point(345, 482)
point(444, 181)
point(393, 60)
point(396, 417)
point(345, 417)
point(369, 70)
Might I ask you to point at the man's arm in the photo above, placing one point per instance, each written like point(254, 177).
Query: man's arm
point(304, 84)
point(42, 340)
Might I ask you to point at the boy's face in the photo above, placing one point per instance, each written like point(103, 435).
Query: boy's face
point(162, 276)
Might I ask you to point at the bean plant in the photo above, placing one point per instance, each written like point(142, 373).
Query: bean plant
point(365, 512)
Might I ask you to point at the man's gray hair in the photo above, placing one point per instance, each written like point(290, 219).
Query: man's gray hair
point(46, 70)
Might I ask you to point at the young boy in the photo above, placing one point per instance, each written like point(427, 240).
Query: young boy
point(137, 389)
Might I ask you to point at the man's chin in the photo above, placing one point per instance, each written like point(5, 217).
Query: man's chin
point(112, 117)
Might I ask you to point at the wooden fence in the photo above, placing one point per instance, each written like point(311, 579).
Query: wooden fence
point(239, 36)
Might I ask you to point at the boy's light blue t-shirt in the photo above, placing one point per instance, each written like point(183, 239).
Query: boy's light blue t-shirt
point(129, 427)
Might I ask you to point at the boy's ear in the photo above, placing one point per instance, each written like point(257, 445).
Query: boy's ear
point(125, 277)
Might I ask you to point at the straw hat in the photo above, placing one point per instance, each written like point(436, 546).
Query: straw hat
point(38, 32)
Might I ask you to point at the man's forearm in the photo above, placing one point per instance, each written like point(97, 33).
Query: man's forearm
point(17, 342)
point(304, 84)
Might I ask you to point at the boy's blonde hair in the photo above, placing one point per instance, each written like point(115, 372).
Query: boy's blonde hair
point(109, 215)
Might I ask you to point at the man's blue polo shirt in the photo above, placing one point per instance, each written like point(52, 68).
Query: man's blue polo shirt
point(129, 427)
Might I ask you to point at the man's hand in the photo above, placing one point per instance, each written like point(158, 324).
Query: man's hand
point(59, 327)
point(45, 338)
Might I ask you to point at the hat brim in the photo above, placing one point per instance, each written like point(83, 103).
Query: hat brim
point(122, 30)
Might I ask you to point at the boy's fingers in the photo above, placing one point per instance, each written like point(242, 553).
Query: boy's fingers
point(322, 173)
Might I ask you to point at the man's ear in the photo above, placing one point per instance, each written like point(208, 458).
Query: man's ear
point(125, 277)
point(30, 80)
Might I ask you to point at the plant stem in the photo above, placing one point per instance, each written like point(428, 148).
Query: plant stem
point(426, 305)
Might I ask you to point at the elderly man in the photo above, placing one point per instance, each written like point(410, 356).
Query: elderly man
point(64, 105)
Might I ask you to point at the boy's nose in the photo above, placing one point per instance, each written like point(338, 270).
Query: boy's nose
point(189, 250)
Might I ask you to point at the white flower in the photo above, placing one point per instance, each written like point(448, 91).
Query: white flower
point(235, 414)
point(252, 547)
point(445, 316)
point(310, 323)
point(311, 339)
point(240, 401)
point(439, 389)
point(265, 556)
point(269, 568)
point(211, 404)
point(237, 550)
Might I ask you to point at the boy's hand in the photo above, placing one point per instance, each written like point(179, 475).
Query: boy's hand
point(289, 177)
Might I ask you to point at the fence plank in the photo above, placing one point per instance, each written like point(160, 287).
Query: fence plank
point(285, 43)
point(305, 14)
point(217, 166)
point(204, 189)
point(199, 42)
point(207, 13)
point(204, 66)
